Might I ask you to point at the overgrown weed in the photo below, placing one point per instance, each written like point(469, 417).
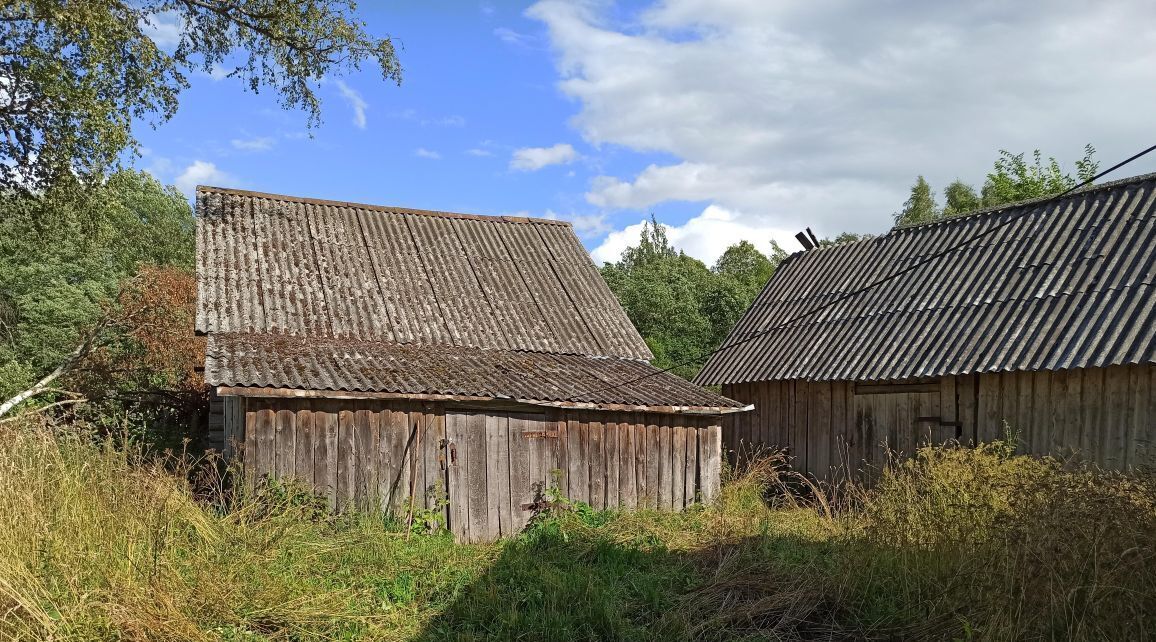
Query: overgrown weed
point(99, 540)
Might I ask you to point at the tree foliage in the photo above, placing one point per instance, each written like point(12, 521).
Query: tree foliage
point(1013, 178)
point(74, 76)
point(682, 308)
point(65, 258)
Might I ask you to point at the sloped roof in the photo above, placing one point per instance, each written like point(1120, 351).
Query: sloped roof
point(385, 297)
point(1066, 283)
point(310, 363)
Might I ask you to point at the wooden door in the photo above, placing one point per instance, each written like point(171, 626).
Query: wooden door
point(498, 466)
point(892, 421)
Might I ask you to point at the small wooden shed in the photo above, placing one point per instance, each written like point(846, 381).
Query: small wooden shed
point(1039, 315)
point(437, 362)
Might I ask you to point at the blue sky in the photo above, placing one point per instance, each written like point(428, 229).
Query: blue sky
point(727, 119)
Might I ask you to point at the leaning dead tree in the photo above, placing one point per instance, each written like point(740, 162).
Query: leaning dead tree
point(45, 384)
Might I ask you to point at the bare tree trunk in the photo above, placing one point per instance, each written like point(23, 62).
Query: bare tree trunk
point(43, 385)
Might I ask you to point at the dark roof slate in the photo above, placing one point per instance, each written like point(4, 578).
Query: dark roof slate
point(1066, 283)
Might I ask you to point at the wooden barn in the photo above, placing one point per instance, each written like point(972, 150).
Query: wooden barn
point(437, 363)
point(1039, 315)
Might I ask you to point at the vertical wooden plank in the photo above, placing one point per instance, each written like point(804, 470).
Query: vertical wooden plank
point(325, 453)
point(627, 493)
point(521, 482)
point(690, 473)
point(819, 430)
point(640, 462)
point(653, 462)
point(678, 466)
point(967, 395)
point(665, 456)
point(248, 450)
point(284, 444)
point(1041, 410)
point(266, 443)
point(478, 470)
point(577, 467)
point(434, 492)
point(610, 443)
point(710, 443)
point(838, 455)
point(1074, 400)
point(947, 405)
point(365, 474)
point(388, 464)
point(1093, 420)
point(596, 456)
point(990, 419)
point(799, 426)
point(538, 449)
point(401, 438)
point(1117, 415)
point(500, 517)
point(1025, 409)
point(457, 453)
point(560, 454)
point(415, 477)
point(1059, 413)
point(303, 449)
point(1137, 406)
point(346, 457)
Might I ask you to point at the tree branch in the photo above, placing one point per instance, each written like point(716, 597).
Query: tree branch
point(43, 386)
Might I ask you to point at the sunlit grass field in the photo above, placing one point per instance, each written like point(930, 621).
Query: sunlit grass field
point(99, 541)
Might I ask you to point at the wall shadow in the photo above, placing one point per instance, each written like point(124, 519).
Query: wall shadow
point(579, 584)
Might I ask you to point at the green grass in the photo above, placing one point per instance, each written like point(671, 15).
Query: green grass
point(99, 542)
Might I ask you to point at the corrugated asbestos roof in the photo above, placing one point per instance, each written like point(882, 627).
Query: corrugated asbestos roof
point(308, 363)
point(461, 297)
point(1067, 283)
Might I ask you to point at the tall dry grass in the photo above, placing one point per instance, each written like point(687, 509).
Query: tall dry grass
point(99, 541)
point(952, 544)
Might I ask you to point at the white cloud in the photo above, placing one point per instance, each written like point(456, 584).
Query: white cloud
point(355, 101)
point(422, 152)
point(256, 144)
point(511, 37)
point(201, 172)
point(704, 237)
point(785, 118)
point(477, 151)
point(164, 28)
point(532, 159)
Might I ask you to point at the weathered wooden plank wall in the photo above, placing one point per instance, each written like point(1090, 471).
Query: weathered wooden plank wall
point(832, 429)
point(482, 470)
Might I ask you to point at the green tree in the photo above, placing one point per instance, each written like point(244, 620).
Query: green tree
point(63, 259)
point(920, 206)
point(1014, 179)
point(76, 75)
point(682, 308)
point(960, 198)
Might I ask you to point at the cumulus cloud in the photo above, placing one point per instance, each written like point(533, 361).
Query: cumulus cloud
point(422, 152)
point(704, 237)
point(784, 117)
point(256, 144)
point(356, 102)
point(201, 172)
point(164, 28)
point(532, 159)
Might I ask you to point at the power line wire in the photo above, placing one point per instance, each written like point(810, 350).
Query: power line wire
point(869, 286)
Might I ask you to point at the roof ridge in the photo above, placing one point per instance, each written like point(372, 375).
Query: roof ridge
point(379, 208)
